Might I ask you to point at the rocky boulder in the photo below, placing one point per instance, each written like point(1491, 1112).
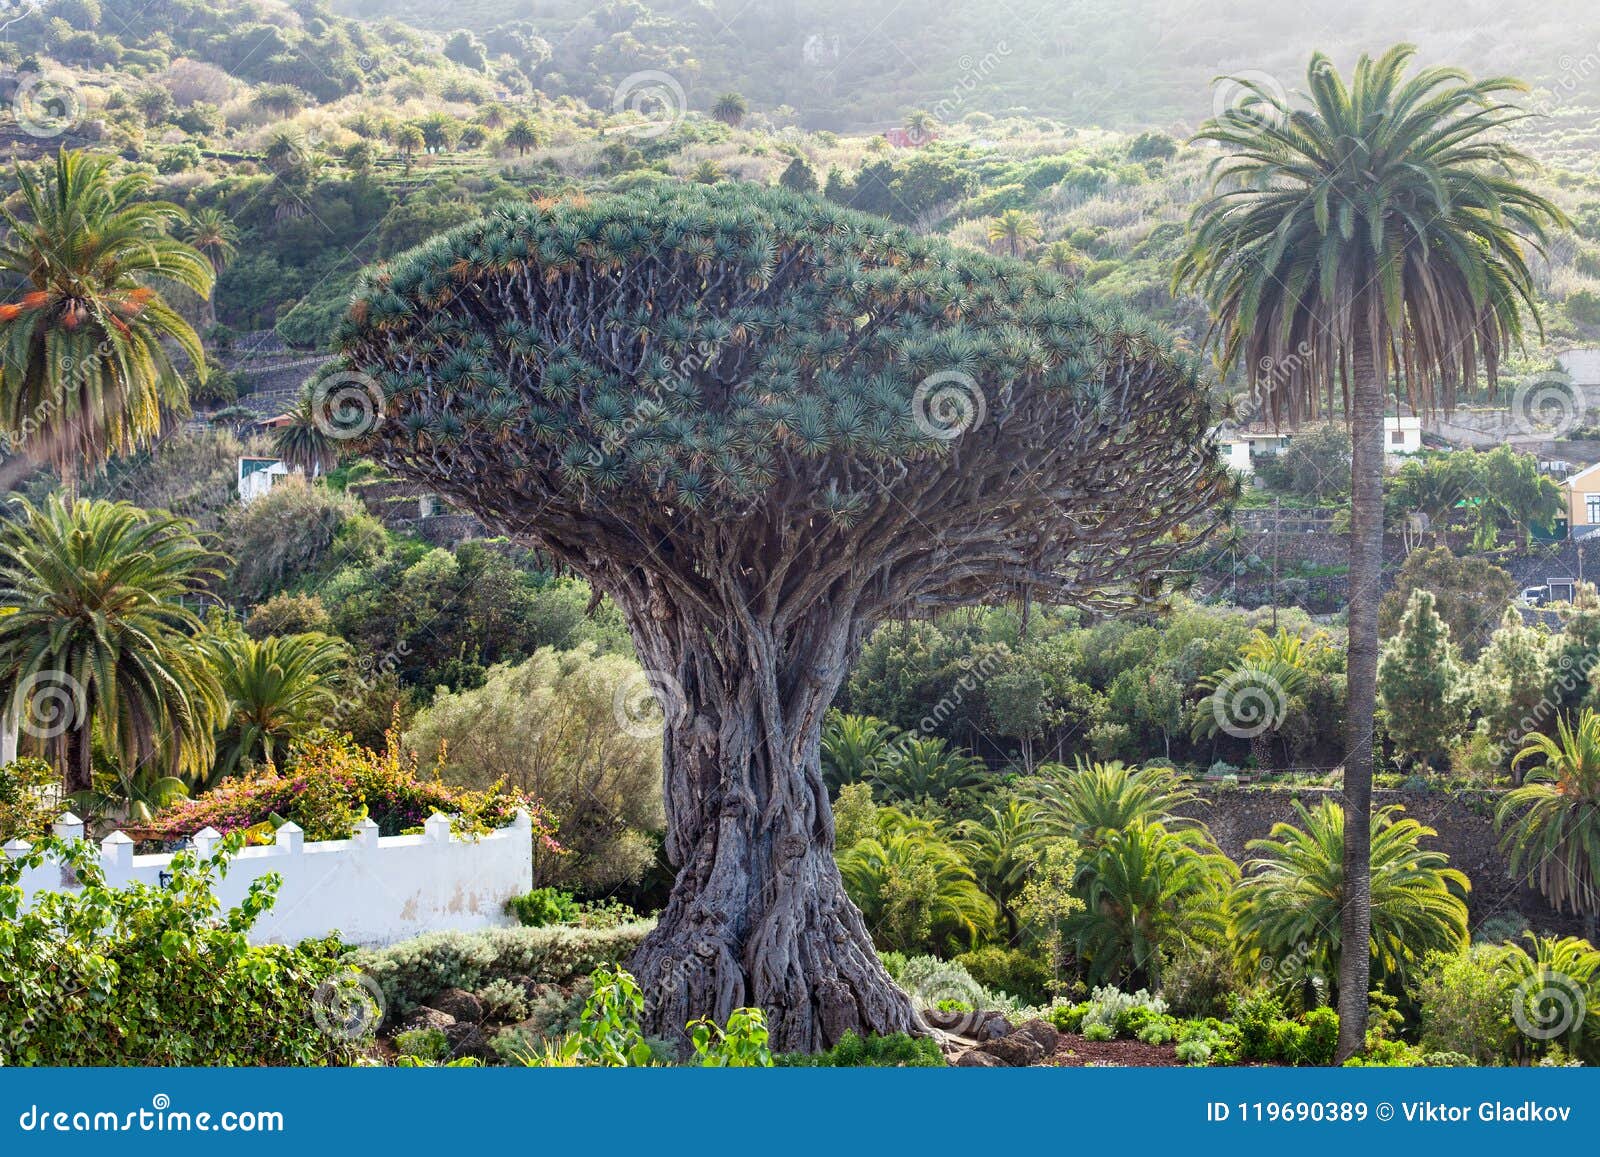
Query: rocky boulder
point(457, 1003)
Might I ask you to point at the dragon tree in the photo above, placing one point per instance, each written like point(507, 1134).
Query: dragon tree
point(762, 424)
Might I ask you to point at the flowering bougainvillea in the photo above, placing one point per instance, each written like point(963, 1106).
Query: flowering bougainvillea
point(331, 783)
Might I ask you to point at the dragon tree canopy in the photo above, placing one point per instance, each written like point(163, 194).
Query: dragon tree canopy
point(621, 372)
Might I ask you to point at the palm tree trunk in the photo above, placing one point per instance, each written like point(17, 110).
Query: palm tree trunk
point(1366, 569)
point(79, 772)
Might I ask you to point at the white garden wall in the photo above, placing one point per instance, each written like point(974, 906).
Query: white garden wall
point(372, 890)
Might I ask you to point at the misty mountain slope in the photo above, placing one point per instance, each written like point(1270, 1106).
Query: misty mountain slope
point(851, 65)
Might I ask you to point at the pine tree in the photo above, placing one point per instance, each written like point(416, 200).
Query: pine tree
point(1422, 689)
point(1512, 680)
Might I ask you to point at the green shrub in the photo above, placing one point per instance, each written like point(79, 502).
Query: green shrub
point(608, 1035)
point(1097, 1032)
point(1208, 1041)
point(1160, 1031)
point(26, 810)
point(503, 1000)
point(1123, 1013)
point(551, 1015)
point(1257, 1017)
point(414, 970)
point(1068, 1017)
point(930, 980)
point(1466, 1004)
point(1312, 1040)
point(606, 913)
point(895, 1050)
point(1197, 980)
point(1011, 971)
point(163, 976)
point(739, 1044)
point(425, 1044)
point(543, 906)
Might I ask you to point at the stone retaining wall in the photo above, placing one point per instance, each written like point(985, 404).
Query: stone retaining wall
point(1464, 821)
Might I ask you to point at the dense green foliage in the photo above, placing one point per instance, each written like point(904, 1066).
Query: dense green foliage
point(105, 976)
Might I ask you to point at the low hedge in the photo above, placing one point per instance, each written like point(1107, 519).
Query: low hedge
point(412, 971)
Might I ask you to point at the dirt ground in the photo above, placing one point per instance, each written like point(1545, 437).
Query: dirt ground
point(1073, 1051)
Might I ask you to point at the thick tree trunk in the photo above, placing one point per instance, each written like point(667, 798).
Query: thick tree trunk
point(1366, 567)
point(758, 915)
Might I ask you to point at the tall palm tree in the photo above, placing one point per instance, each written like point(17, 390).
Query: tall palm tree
point(1013, 229)
point(84, 367)
point(96, 637)
point(1288, 906)
point(212, 234)
point(277, 688)
point(286, 150)
point(1378, 232)
point(920, 125)
point(1251, 699)
point(1550, 826)
point(407, 140)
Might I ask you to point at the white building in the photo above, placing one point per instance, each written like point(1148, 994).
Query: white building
point(1241, 448)
point(259, 475)
point(1581, 365)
